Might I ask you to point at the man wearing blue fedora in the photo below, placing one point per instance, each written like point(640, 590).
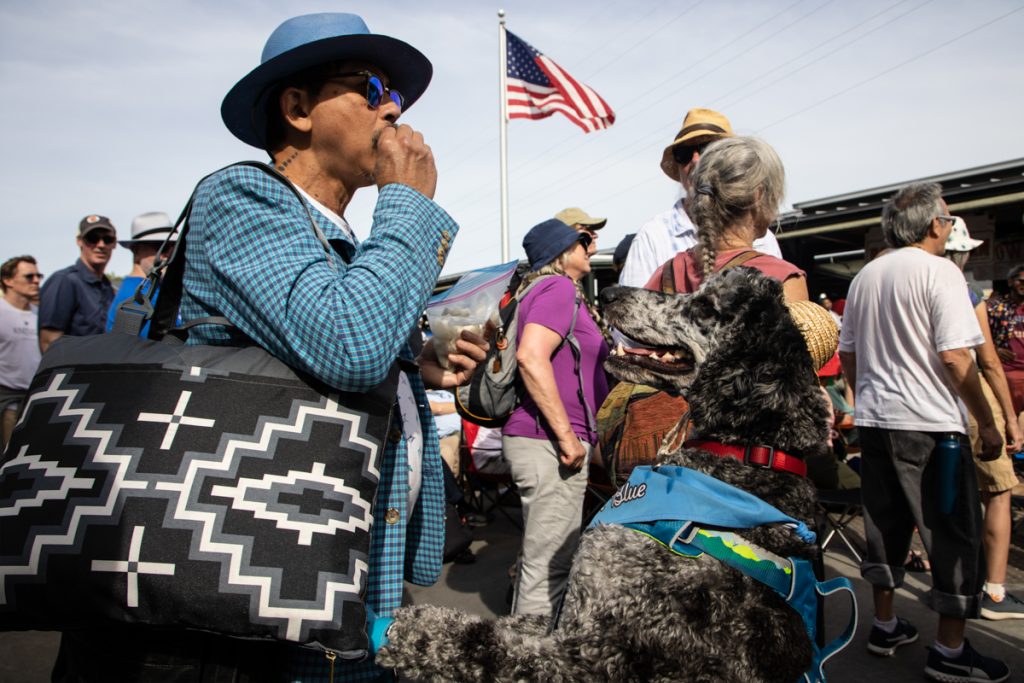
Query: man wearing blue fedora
point(324, 104)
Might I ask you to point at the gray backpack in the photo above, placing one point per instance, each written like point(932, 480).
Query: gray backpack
point(494, 390)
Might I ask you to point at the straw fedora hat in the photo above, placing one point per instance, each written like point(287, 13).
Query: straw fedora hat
point(310, 40)
point(700, 125)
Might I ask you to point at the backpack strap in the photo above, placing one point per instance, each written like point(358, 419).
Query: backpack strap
point(668, 277)
point(668, 271)
point(168, 274)
point(577, 356)
point(739, 259)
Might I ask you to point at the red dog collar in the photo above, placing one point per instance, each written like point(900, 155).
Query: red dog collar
point(761, 456)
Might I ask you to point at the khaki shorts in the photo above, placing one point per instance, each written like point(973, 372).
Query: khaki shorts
point(994, 476)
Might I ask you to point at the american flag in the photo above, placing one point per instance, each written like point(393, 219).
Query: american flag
point(537, 88)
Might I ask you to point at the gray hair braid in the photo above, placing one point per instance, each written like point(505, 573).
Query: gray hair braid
point(734, 177)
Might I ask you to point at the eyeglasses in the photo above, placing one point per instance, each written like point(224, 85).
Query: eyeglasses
point(375, 89)
point(93, 238)
point(951, 219)
point(683, 154)
point(32, 277)
point(585, 239)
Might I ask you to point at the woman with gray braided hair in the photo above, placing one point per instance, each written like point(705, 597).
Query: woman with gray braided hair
point(738, 187)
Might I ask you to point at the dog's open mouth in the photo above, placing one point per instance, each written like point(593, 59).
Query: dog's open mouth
point(663, 360)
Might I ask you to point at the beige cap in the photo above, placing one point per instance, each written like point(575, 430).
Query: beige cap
point(576, 216)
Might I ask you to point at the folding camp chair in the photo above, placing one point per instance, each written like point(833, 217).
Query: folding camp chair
point(486, 492)
point(836, 509)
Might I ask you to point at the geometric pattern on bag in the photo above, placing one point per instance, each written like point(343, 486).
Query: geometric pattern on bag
point(168, 500)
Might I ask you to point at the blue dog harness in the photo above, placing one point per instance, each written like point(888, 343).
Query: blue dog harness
point(692, 514)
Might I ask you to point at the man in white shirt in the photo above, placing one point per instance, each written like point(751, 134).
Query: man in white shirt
point(672, 231)
point(19, 337)
point(908, 331)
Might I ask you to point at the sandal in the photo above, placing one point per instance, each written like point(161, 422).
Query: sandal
point(917, 562)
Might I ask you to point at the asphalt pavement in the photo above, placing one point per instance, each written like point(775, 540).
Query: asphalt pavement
point(481, 588)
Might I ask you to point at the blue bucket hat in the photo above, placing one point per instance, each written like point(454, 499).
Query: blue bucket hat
point(310, 40)
point(546, 241)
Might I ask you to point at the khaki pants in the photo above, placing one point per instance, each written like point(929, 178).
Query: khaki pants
point(450, 451)
point(552, 497)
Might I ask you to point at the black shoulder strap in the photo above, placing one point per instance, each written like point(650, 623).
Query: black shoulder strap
point(169, 273)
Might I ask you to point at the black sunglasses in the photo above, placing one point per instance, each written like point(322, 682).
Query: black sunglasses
point(683, 154)
point(32, 277)
point(375, 89)
point(93, 238)
point(585, 239)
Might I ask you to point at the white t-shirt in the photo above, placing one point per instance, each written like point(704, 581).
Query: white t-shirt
point(902, 310)
point(664, 236)
point(19, 345)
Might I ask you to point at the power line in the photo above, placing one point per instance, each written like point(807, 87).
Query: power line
point(577, 179)
point(827, 54)
point(914, 58)
point(552, 189)
point(643, 40)
point(939, 46)
point(474, 195)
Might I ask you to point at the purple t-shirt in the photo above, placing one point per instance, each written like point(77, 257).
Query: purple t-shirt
point(550, 304)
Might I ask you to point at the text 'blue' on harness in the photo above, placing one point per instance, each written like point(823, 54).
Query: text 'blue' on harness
point(692, 514)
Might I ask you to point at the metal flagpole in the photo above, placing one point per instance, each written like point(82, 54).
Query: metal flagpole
point(503, 74)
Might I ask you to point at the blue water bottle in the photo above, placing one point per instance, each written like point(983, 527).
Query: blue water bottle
point(947, 459)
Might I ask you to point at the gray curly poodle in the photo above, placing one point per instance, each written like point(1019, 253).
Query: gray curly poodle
point(633, 610)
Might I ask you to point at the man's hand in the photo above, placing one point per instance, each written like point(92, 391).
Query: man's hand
point(1014, 439)
point(1005, 355)
point(991, 443)
point(571, 452)
point(472, 349)
point(403, 157)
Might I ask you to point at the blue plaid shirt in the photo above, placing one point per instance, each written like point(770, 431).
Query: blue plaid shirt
point(254, 259)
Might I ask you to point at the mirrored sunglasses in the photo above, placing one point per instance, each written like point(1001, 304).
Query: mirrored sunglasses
point(375, 89)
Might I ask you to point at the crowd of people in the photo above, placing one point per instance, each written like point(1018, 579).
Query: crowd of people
point(324, 104)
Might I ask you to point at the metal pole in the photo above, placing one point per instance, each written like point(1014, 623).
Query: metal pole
point(503, 95)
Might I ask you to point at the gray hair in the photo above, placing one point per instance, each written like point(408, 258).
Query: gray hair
point(734, 177)
point(908, 215)
point(959, 258)
point(1014, 272)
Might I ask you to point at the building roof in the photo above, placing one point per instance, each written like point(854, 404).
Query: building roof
point(998, 183)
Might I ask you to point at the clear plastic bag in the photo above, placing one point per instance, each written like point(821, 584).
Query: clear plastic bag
point(468, 305)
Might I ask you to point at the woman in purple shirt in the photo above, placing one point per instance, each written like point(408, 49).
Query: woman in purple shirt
point(549, 437)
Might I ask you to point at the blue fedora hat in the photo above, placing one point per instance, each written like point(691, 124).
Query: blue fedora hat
point(307, 41)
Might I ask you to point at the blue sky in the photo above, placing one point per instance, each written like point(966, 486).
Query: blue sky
point(112, 107)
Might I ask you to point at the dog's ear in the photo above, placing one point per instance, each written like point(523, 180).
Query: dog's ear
point(758, 382)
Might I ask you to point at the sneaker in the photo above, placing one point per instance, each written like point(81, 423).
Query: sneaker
point(1010, 607)
point(969, 667)
point(884, 644)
